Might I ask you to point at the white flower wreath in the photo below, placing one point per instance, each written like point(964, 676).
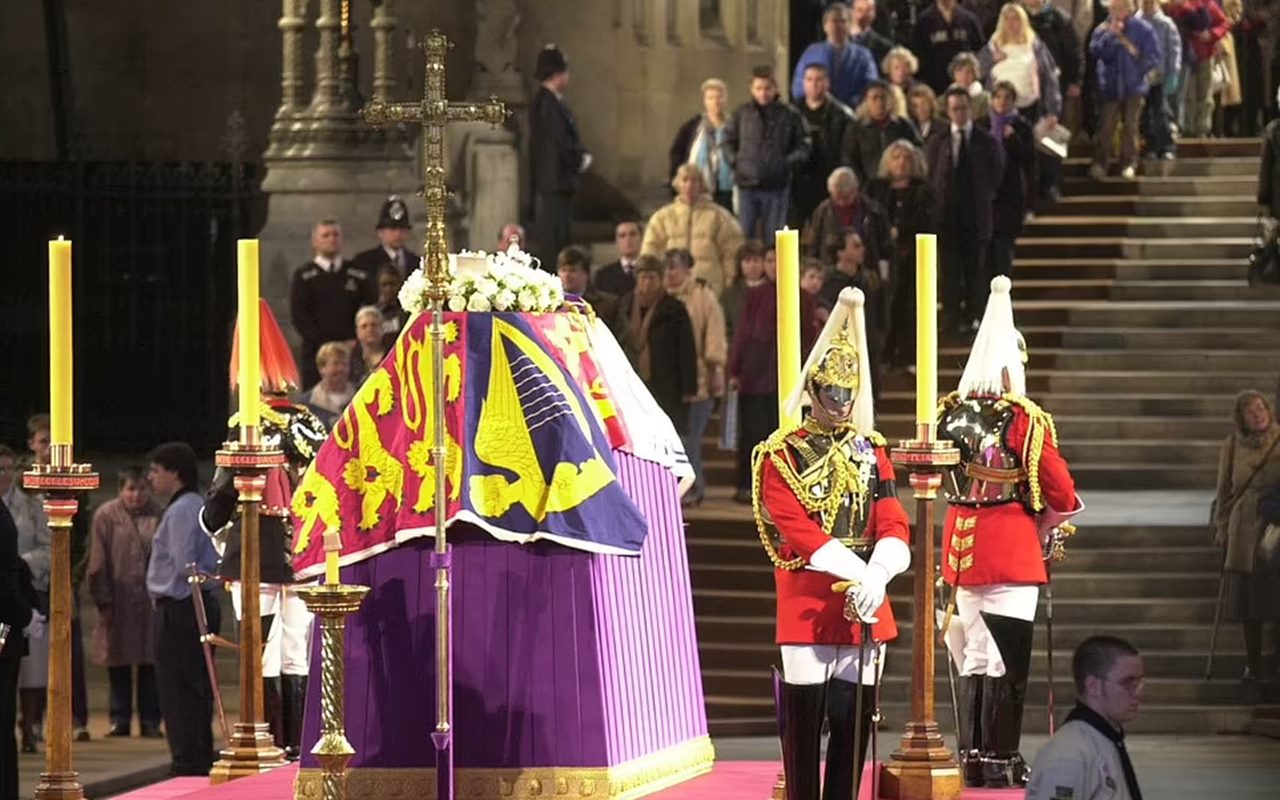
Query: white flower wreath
point(511, 282)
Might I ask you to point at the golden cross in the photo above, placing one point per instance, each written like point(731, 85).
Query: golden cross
point(433, 113)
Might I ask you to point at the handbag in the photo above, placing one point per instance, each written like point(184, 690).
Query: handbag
point(1264, 259)
point(1221, 76)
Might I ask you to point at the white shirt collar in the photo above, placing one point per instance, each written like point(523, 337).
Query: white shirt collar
point(326, 264)
point(967, 129)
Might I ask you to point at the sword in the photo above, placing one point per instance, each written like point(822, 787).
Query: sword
point(207, 642)
point(1054, 550)
point(1217, 619)
point(875, 714)
point(951, 664)
point(857, 711)
point(4, 633)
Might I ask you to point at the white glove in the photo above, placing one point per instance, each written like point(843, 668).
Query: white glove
point(868, 594)
point(35, 628)
point(586, 162)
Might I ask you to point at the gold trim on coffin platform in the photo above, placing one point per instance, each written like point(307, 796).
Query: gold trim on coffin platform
point(633, 779)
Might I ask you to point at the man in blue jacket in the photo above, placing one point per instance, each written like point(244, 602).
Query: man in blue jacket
point(1127, 53)
point(850, 66)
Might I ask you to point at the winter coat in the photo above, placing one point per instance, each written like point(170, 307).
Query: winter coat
point(765, 144)
point(554, 144)
point(1050, 100)
point(1170, 45)
point(673, 372)
point(935, 42)
point(1120, 75)
point(17, 595)
point(908, 212)
point(850, 69)
point(825, 235)
point(119, 552)
point(34, 537)
point(1059, 35)
point(827, 127)
point(865, 141)
point(1011, 200)
point(707, 319)
point(987, 172)
point(1194, 16)
point(706, 230)
point(1238, 525)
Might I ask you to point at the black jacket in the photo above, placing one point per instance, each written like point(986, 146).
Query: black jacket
point(909, 211)
point(375, 257)
point(555, 147)
point(765, 145)
point(827, 126)
point(679, 151)
point(1011, 198)
point(612, 278)
point(865, 141)
point(17, 594)
point(878, 44)
point(952, 207)
point(673, 356)
point(1269, 170)
point(1057, 33)
point(274, 537)
point(826, 234)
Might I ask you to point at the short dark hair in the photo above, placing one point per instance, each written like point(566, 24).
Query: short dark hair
point(629, 221)
point(882, 85)
point(812, 265)
point(37, 423)
point(956, 91)
point(680, 255)
point(132, 472)
point(763, 72)
point(177, 457)
point(818, 65)
point(833, 8)
point(7, 452)
point(574, 256)
point(1095, 656)
point(749, 249)
point(1005, 86)
point(648, 264)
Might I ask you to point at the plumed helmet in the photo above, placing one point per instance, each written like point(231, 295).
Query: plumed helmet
point(550, 61)
point(290, 427)
point(278, 370)
point(394, 214)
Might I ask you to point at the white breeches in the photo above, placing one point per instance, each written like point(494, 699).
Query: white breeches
point(287, 649)
point(818, 663)
point(979, 654)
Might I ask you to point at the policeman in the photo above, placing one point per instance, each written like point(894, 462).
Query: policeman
point(827, 510)
point(1009, 492)
point(393, 235)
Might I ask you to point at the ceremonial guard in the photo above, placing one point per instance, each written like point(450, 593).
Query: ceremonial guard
point(1007, 498)
point(393, 229)
point(285, 618)
point(830, 521)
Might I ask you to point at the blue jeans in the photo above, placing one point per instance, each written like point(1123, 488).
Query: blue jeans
point(699, 416)
point(1155, 122)
point(768, 207)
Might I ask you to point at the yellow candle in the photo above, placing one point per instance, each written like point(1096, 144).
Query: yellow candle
point(250, 360)
point(332, 547)
point(926, 328)
point(788, 286)
point(60, 380)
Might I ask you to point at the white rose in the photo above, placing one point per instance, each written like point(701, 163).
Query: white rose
point(528, 300)
point(504, 300)
point(478, 302)
point(487, 287)
point(457, 303)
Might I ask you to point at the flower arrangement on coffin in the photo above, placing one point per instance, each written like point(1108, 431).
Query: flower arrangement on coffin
point(509, 281)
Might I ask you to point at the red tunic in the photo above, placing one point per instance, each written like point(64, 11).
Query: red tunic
point(987, 545)
point(808, 611)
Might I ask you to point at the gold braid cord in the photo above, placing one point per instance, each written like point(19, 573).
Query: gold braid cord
point(838, 469)
point(1041, 424)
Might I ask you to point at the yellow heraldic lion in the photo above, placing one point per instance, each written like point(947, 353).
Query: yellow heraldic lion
point(315, 501)
point(519, 401)
point(417, 408)
point(373, 472)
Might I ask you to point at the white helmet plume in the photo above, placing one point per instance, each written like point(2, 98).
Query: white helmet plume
point(995, 348)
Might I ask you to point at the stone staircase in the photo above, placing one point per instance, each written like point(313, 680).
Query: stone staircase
point(1141, 330)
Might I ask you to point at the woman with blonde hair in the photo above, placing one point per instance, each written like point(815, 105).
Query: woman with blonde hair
point(698, 142)
point(1248, 480)
point(901, 188)
point(922, 114)
point(693, 222)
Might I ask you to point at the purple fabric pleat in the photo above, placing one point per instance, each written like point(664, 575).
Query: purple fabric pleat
point(561, 657)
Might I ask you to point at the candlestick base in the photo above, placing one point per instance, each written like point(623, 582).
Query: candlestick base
point(922, 768)
point(241, 457)
point(250, 751)
point(59, 786)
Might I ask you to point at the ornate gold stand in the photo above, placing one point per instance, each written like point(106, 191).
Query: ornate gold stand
point(251, 749)
point(332, 603)
point(59, 482)
point(923, 767)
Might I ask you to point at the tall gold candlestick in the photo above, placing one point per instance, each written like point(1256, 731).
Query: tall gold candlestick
point(60, 355)
point(248, 331)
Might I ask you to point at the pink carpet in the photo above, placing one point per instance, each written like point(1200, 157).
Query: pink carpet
point(729, 780)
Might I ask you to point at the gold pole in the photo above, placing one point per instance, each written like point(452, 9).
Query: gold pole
point(332, 603)
point(251, 749)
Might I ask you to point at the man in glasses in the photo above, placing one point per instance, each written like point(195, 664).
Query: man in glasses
point(1086, 758)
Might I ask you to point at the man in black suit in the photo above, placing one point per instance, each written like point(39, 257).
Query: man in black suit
point(558, 156)
point(619, 277)
point(1013, 134)
point(965, 170)
point(393, 234)
point(324, 295)
point(17, 611)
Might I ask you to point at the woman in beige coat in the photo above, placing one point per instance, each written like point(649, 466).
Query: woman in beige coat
point(1248, 466)
point(694, 222)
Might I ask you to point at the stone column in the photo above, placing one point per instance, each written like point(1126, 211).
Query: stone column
point(292, 82)
point(348, 62)
point(327, 96)
point(383, 25)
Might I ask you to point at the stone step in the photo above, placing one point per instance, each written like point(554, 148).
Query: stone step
point(1217, 407)
point(1149, 206)
point(1153, 452)
point(1180, 167)
point(757, 607)
point(1150, 338)
point(1042, 383)
point(1238, 186)
point(1131, 359)
point(1192, 291)
point(1260, 313)
point(1127, 269)
point(1124, 474)
point(1122, 247)
point(757, 576)
point(1140, 227)
point(1195, 148)
point(726, 717)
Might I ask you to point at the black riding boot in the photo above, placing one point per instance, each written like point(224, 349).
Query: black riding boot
point(970, 735)
point(295, 705)
point(273, 709)
point(1002, 702)
point(843, 774)
point(801, 710)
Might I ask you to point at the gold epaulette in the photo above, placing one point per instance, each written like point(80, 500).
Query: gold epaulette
point(774, 449)
point(1041, 425)
point(267, 412)
point(947, 402)
point(876, 439)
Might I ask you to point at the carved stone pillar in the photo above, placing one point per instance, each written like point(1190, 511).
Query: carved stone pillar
point(383, 25)
point(327, 96)
point(292, 81)
point(348, 62)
